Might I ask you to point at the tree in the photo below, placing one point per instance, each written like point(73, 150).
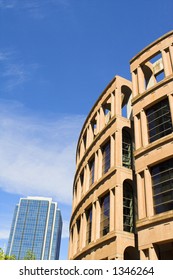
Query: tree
point(3, 256)
point(29, 255)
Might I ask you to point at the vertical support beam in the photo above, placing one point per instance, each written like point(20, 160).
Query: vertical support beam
point(141, 197)
point(118, 147)
point(170, 97)
point(144, 129)
point(135, 89)
point(117, 102)
point(112, 209)
point(171, 54)
point(166, 62)
point(112, 150)
point(152, 253)
point(99, 163)
point(97, 236)
point(137, 125)
point(141, 80)
point(118, 208)
point(148, 193)
point(102, 118)
point(112, 103)
point(94, 219)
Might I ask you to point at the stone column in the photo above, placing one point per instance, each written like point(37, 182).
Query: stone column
point(152, 253)
point(134, 84)
point(112, 209)
point(137, 125)
point(148, 193)
point(170, 105)
point(141, 80)
point(141, 196)
point(144, 129)
point(166, 62)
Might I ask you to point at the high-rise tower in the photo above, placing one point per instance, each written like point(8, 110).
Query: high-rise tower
point(36, 226)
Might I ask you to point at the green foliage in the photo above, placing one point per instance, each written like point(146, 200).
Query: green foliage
point(29, 255)
point(3, 256)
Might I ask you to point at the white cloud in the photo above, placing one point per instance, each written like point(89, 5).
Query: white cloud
point(38, 156)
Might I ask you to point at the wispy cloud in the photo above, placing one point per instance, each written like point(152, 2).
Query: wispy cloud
point(14, 71)
point(38, 156)
point(34, 8)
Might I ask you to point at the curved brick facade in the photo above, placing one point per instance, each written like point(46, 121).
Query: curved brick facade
point(124, 159)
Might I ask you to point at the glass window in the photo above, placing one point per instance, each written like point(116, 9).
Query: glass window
point(89, 225)
point(106, 157)
point(127, 150)
point(128, 208)
point(105, 215)
point(159, 120)
point(162, 183)
point(91, 168)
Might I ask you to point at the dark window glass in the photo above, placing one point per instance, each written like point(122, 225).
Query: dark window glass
point(89, 225)
point(91, 167)
point(127, 150)
point(106, 157)
point(162, 183)
point(105, 215)
point(159, 120)
point(128, 208)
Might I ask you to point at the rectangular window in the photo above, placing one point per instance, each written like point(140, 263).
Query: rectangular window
point(106, 157)
point(91, 169)
point(159, 120)
point(89, 225)
point(126, 150)
point(162, 183)
point(128, 208)
point(105, 215)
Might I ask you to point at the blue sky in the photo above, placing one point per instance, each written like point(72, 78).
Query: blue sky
point(56, 58)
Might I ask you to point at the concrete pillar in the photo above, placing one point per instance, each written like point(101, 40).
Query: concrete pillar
point(119, 207)
point(137, 126)
point(112, 150)
point(118, 102)
point(118, 147)
point(99, 163)
point(96, 167)
point(171, 54)
point(112, 103)
point(97, 217)
point(102, 118)
point(112, 209)
point(152, 253)
point(135, 89)
point(141, 80)
point(148, 193)
point(83, 230)
point(166, 62)
point(141, 196)
point(144, 128)
point(170, 97)
point(94, 219)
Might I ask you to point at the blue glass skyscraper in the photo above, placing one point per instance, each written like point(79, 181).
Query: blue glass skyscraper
point(36, 226)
